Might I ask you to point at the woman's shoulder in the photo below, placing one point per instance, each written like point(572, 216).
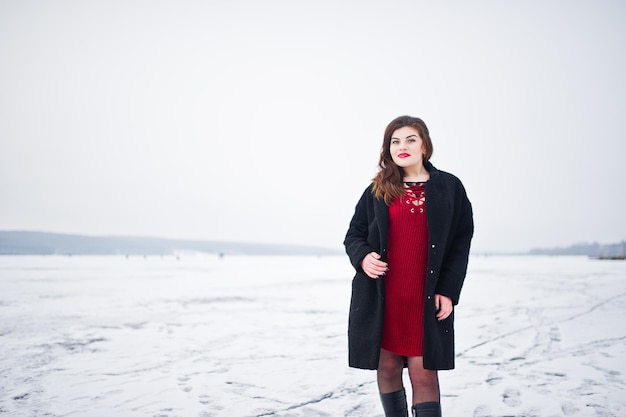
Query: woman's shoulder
point(368, 192)
point(369, 196)
point(444, 176)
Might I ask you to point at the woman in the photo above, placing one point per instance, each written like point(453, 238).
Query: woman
point(409, 242)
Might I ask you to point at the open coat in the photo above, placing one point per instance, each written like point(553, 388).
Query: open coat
point(450, 231)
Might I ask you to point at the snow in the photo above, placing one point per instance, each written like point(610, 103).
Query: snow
point(196, 335)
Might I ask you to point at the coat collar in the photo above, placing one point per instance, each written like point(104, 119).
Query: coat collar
point(434, 172)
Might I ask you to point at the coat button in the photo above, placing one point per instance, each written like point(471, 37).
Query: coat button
point(432, 246)
point(432, 272)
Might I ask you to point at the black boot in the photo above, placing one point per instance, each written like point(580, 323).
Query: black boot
point(394, 404)
point(430, 409)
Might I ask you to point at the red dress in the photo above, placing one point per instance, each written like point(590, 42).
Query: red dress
point(403, 332)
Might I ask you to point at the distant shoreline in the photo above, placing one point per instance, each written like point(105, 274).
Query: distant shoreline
point(22, 242)
point(594, 250)
point(47, 243)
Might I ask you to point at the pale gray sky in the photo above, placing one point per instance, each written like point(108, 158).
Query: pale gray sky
point(262, 120)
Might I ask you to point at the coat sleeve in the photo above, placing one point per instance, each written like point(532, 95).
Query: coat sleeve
point(356, 240)
point(454, 265)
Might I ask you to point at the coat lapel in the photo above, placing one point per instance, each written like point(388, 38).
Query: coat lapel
point(438, 206)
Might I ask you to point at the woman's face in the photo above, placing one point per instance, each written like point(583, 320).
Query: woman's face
point(406, 147)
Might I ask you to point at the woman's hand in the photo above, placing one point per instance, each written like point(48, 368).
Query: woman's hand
point(373, 266)
point(443, 305)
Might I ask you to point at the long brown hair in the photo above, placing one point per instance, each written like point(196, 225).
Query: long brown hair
point(388, 182)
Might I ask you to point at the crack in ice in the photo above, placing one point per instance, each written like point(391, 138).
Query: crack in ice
point(293, 407)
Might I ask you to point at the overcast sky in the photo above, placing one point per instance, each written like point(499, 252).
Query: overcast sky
point(262, 121)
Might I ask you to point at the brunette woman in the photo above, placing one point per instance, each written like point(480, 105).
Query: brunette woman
point(409, 241)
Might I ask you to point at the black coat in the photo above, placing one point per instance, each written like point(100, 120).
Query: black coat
point(450, 231)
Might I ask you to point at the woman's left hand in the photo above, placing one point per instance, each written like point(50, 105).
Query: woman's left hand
point(443, 305)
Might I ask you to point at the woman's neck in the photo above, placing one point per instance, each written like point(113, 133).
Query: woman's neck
point(416, 174)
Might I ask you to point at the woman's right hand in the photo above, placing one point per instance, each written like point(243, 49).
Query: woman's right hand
point(373, 266)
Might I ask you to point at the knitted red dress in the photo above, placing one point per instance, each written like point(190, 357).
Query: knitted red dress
point(403, 331)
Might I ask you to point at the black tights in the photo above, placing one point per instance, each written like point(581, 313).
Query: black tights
point(424, 382)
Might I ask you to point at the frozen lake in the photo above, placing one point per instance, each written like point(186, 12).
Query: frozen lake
point(266, 336)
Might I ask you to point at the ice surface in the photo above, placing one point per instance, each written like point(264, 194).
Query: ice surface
point(197, 335)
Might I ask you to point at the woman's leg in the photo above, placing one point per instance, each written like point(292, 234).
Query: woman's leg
point(389, 372)
point(425, 382)
point(389, 375)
